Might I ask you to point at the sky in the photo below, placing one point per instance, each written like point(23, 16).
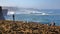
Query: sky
point(40, 4)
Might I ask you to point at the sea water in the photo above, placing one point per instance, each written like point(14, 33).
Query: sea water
point(45, 19)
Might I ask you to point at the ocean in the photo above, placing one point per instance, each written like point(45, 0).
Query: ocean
point(44, 19)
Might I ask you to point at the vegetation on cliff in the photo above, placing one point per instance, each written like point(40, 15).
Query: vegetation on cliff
point(21, 27)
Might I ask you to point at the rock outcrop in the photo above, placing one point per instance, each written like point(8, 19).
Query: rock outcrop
point(1, 14)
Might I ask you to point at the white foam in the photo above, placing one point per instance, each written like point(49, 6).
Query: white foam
point(10, 12)
point(26, 12)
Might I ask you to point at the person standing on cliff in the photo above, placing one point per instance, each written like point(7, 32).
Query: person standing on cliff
point(13, 18)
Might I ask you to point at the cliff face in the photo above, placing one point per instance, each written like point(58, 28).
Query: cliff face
point(4, 11)
point(1, 14)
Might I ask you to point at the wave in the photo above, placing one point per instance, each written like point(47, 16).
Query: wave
point(20, 10)
point(10, 13)
point(26, 12)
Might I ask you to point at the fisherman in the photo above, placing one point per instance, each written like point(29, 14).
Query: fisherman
point(13, 18)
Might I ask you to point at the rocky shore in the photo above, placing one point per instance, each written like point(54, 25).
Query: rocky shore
point(20, 27)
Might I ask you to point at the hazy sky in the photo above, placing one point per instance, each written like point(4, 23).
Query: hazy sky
point(42, 4)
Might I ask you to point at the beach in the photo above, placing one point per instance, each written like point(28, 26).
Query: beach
point(21, 27)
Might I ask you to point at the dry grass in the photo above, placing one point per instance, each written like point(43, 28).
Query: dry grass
point(19, 27)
